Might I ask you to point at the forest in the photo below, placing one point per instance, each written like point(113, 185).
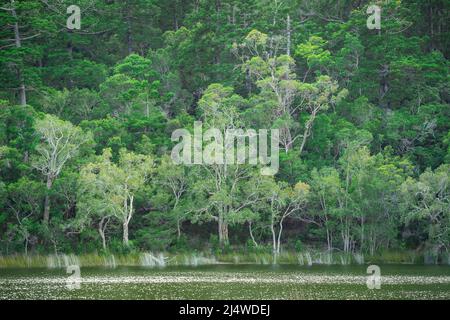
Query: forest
point(87, 115)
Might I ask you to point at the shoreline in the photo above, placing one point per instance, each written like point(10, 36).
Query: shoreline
point(164, 259)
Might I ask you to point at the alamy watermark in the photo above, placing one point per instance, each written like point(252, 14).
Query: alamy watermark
point(374, 278)
point(74, 20)
point(74, 280)
point(234, 146)
point(374, 20)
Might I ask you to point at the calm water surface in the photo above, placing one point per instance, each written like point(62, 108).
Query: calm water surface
point(229, 282)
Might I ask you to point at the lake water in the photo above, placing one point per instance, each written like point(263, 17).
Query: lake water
point(228, 282)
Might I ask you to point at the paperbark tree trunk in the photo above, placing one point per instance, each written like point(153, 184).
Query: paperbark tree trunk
point(125, 234)
point(223, 231)
point(47, 201)
point(101, 230)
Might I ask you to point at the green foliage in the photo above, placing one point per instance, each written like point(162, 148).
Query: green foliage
point(86, 118)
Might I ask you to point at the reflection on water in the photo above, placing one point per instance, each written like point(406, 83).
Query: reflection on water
point(229, 282)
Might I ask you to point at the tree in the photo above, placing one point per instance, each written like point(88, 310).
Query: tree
point(134, 26)
point(284, 201)
point(275, 78)
point(328, 192)
point(175, 181)
point(23, 20)
point(60, 141)
point(113, 187)
point(17, 132)
point(315, 55)
point(220, 188)
point(316, 97)
point(279, 86)
point(278, 201)
point(93, 207)
point(354, 162)
point(428, 200)
point(24, 202)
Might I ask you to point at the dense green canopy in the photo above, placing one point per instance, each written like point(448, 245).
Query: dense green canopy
point(86, 118)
